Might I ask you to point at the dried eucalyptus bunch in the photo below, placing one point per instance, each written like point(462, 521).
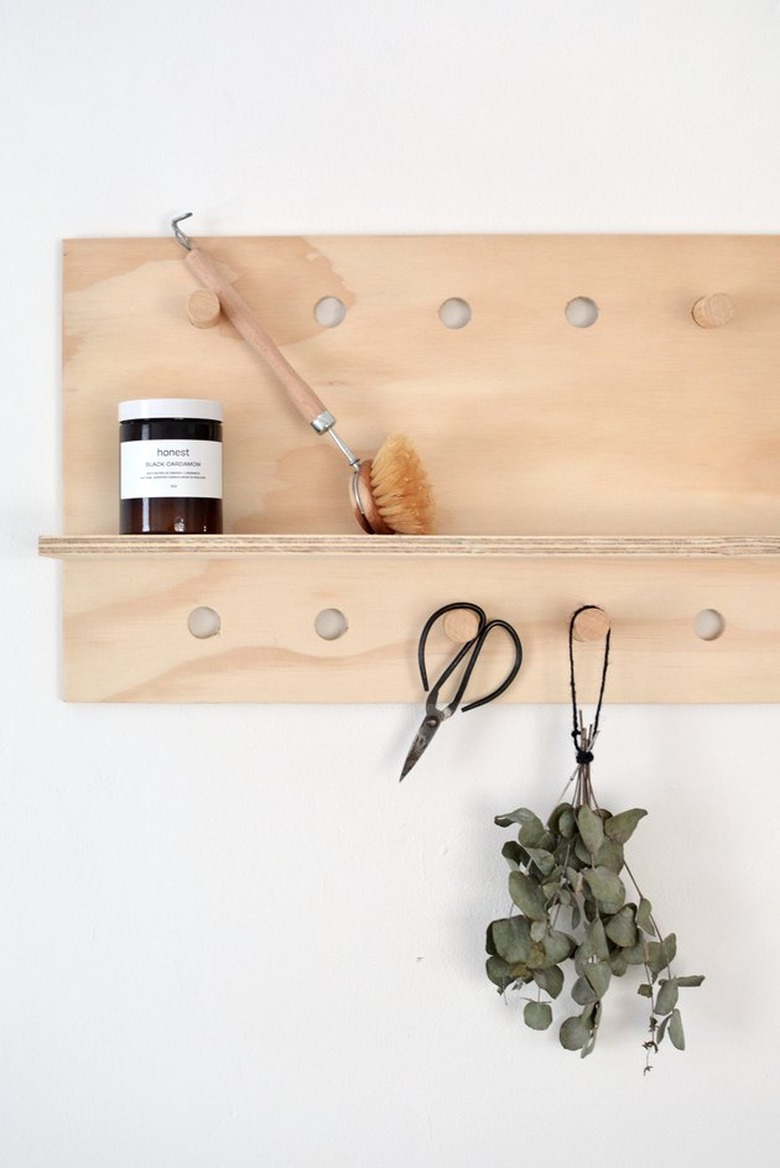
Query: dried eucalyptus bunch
point(568, 881)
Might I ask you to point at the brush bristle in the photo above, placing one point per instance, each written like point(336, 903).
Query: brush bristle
point(400, 488)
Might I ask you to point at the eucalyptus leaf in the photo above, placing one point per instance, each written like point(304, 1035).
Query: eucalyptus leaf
point(535, 835)
point(590, 1044)
point(591, 829)
point(645, 990)
point(661, 954)
point(694, 979)
point(574, 1034)
point(544, 860)
point(527, 895)
point(550, 980)
point(676, 1032)
point(582, 992)
point(644, 916)
point(567, 823)
point(563, 853)
point(538, 958)
point(594, 943)
point(538, 1015)
point(618, 963)
point(591, 1015)
point(513, 853)
point(554, 819)
point(606, 886)
point(667, 996)
point(621, 927)
point(522, 816)
point(621, 827)
point(582, 852)
point(490, 945)
point(557, 946)
point(538, 930)
point(656, 957)
point(599, 974)
point(607, 908)
point(499, 973)
point(636, 954)
point(511, 938)
point(610, 855)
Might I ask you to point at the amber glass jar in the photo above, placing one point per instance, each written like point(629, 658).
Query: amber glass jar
point(170, 467)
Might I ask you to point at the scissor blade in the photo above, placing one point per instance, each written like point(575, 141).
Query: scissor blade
point(428, 727)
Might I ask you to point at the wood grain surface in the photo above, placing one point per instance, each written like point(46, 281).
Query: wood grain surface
point(632, 464)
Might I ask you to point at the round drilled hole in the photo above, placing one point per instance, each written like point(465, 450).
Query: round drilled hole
point(330, 624)
point(582, 312)
point(330, 311)
point(455, 313)
point(709, 624)
point(204, 622)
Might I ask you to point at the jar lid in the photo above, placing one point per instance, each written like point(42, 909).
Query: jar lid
point(170, 407)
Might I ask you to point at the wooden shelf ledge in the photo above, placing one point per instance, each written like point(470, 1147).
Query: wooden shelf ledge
point(81, 547)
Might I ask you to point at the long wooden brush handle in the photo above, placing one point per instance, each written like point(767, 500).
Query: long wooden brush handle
point(238, 311)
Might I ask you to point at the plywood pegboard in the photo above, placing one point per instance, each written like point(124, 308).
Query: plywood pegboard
point(594, 454)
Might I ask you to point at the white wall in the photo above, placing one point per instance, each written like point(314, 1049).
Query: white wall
point(228, 936)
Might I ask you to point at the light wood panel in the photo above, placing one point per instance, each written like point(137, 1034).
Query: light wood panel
point(126, 635)
point(570, 465)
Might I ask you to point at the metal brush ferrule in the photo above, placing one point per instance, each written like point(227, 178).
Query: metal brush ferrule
point(323, 422)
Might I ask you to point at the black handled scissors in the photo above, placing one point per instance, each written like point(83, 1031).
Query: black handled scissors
point(435, 714)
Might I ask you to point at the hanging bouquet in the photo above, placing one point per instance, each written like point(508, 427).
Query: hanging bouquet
point(568, 881)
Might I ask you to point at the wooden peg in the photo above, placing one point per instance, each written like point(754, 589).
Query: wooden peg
point(713, 311)
point(203, 308)
point(591, 625)
point(461, 625)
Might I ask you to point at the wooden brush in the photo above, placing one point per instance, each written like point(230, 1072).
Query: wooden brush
point(390, 493)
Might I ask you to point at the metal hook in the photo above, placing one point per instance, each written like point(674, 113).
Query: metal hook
point(183, 239)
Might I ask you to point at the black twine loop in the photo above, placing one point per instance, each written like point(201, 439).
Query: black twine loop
point(585, 756)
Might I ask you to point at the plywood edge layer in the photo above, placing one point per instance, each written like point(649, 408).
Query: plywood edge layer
point(532, 546)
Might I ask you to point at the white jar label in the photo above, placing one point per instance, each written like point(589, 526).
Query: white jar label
point(170, 468)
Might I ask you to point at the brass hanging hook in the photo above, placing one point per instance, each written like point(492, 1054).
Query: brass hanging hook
point(183, 239)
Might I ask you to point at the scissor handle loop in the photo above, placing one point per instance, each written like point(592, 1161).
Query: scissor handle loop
point(473, 646)
point(513, 672)
point(456, 660)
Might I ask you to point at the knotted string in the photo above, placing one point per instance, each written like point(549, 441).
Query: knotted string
point(583, 740)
